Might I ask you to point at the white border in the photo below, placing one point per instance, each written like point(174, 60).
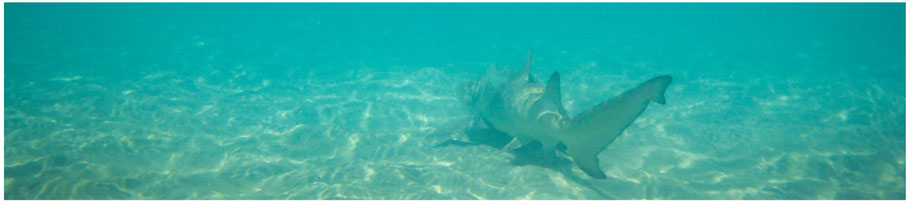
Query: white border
point(471, 1)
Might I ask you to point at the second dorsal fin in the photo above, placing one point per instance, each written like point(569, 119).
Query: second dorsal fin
point(551, 92)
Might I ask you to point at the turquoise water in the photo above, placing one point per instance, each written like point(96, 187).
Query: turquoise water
point(347, 101)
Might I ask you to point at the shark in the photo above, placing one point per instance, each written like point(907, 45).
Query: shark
point(517, 104)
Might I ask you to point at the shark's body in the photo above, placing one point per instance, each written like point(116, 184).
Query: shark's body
point(516, 104)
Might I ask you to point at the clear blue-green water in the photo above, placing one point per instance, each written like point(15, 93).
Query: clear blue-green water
point(341, 101)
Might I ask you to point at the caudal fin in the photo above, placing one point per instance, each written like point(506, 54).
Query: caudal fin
point(594, 129)
point(656, 87)
point(588, 163)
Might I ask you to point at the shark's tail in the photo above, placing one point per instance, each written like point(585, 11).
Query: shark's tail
point(656, 87)
point(594, 129)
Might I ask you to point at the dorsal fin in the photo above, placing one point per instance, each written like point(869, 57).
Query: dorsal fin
point(525, 73)
point(551, 92)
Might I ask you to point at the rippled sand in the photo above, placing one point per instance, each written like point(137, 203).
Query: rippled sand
point(367, 134)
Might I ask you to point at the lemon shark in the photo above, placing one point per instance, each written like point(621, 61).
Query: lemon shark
point(518, 105)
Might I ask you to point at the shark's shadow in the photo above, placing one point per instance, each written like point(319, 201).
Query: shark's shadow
point(528, 155)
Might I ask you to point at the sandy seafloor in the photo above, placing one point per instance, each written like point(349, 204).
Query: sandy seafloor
point(202, 116)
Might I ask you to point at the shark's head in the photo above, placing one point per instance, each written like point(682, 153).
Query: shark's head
point(469, 93)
